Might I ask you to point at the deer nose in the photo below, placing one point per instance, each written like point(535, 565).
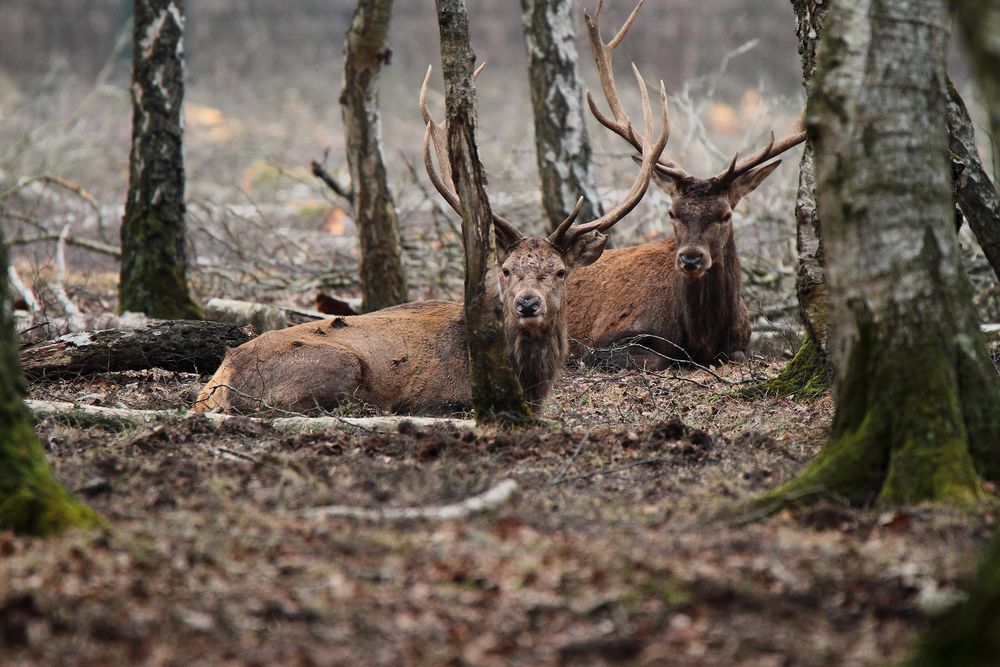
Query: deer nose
point(527, 306)
point(691, 261)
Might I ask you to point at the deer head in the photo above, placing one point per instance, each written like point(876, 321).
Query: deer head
point(533, 270)
point(702, 209)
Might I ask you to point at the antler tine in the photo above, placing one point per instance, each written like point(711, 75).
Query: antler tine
point(445, 189)
point(773, 149)
point(603, 56)
point(437, 134)
point(620, 35)
point(557, 236)
point(649, 158)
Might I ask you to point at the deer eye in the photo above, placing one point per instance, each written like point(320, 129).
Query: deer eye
point(727, 217)
point(506, 273)
point(561, 273)
point(671, 214)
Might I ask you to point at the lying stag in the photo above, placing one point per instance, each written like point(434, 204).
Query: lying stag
point(678, 299)
point(413, 358)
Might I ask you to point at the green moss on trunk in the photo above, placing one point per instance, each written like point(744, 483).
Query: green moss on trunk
point(805, 376)
point(153, 276)
point(899, 433)
point(32, 501)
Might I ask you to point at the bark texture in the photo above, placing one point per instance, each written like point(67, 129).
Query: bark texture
point(154, 267)
point(974, 191)
point(496, 393)
point(176, 345)
point(810, 283)
point(562, 146)
point(32, 501)
point(914, 384)
point(383, 280)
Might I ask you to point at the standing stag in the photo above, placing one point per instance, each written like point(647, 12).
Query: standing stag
point(413, 358)
point(676, 300)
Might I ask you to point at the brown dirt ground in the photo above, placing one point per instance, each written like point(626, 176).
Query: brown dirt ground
point(625, 542)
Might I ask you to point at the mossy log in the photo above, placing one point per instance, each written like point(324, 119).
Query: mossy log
point(176, 345)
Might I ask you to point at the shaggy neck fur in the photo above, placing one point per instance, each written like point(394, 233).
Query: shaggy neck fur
point(710, 301)
point(538, 358)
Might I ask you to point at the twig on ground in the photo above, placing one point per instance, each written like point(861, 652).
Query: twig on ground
point(494, 497)
point(565, 467)
point(609, 471)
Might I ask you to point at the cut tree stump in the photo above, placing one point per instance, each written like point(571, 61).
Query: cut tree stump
point(173, 345)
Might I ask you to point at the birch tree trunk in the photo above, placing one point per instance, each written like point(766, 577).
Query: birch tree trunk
point(32, 501)
point(496, 393)
point(383, 280)
point(915, 389)
point(153, 276)
point(562, 147)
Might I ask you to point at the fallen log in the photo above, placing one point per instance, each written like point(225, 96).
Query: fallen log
point(99, 415)
point(173, 345)
point(262, 317)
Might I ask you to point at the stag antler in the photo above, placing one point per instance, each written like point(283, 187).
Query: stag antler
point(736, 168)
point(567, 232)
point(603, 56)
point(437, 134)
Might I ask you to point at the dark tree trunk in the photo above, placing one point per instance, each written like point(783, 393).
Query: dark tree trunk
point(979, 22)
point(185, 346)
point(496, 393)
point(154, 268)
point(974, 191)
point(383, 280)
point(562, 147)
point(32, 501)
point(915, 388)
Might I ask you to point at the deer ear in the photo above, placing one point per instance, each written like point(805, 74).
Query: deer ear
point(505, 242)
point(585, 249)
point(749, 181)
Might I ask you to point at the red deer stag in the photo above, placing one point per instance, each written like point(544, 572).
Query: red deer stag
point(676, 300)
point(412, 358)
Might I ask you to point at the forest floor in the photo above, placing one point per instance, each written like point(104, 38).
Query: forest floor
point(625, 541)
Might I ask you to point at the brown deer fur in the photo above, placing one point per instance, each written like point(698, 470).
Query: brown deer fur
point(410, 358)
point(637, 306)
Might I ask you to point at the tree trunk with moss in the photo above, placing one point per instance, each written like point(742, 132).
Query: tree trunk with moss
point(153, 276)
point(807, 374)
point(915, 389)
point(969, 635)
point(496, 393)
point(562, 147)
point(32, 501)
point(383, 279)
